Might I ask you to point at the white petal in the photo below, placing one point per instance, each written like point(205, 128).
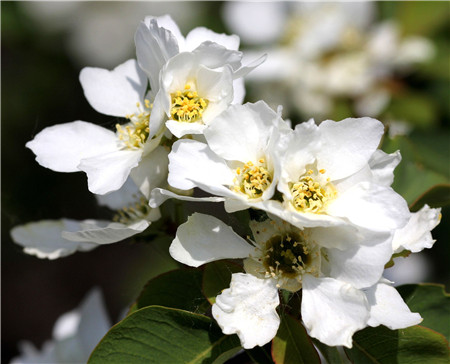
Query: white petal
point(213, 55)
point(152, 170)
point(108, 172)
point(159, 195)
point(180, 129)
point(166, 22)
point(416, 235)
point(204, 239)
point(61, 147)
point(105, 232)
point(248, 309)
point(361, 264)
point(94, 322)
point(192, 161)
point(382, 166)
point(242, 132)
point(199, 35)
point(347, 145)
point(388, 308)
point(44, 239)
point(114, 92)
point(372, 207)
point(333, 311)
point(125, 196)
point(154, 47)
point(239, 91)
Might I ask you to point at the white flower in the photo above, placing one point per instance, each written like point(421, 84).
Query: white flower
point(329, 51)
point(194, 78)
point(416, 235)
point(107, 157)
point(53, 239)
point(75, 335)
point(240, 161)
point(333, 280)
point(332, 174)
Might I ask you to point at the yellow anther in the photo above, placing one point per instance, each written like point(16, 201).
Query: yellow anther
point(322, 171)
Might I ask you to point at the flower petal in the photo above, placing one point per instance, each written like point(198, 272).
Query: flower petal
point(416, 235)
point(248, 309)
point(114, 92)
point(199, 35)
point(105, 232)
point(382, 166)
point(125, 196)
point(43, 238)
point(242, 132)
point(388, 308)
point(333, 311)
point(159, 195)
point(372, 207)
point(192, 161)
point(154, 47)
point(152, 170)
point(180, 129)
point(347, 145)
point(361, 264)
point(108, 172)
point(61, 147)
point(204, 239)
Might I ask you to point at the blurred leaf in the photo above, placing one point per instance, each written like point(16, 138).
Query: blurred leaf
point(260, 355)
point(217, 277)
point(433, 304)
point(422, 17)
point(292, 345)
point(415, 174)
point(181, 288)
point(436, 196)
point(164, 335)
point(330, 353)
point(414, 345)
point(416, 109)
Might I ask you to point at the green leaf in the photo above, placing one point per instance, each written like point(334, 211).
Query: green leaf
point(163, 335)
point(217, 277)
point(330, 353)
point(415, 174)
point(416, 109)
point(436, 196)
point(414, 345)
point(433, 304)
point(181, 288)
point(292, 344)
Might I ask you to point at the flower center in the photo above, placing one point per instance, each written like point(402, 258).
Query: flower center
point(134, 134)
point(252, 179)
point(310, 194)
point(133, 213)
point(187, 106)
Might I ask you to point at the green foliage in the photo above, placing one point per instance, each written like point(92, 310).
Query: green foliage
point(418, 110)
point(414, 345)
point(436, 196)
point(292, 345)
point(423, 166)
point(164, 336)
point(181, 288)
point(433, 304)
point(217, 277)
point(330, 353)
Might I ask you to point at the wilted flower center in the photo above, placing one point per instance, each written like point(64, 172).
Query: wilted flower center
point(132, 213)
point(187, 106)
point(252, 179)
point(286, 256)
point(134, 134)
point(310, 193)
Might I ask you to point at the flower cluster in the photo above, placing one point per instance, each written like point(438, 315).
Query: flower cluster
point(330, 219)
